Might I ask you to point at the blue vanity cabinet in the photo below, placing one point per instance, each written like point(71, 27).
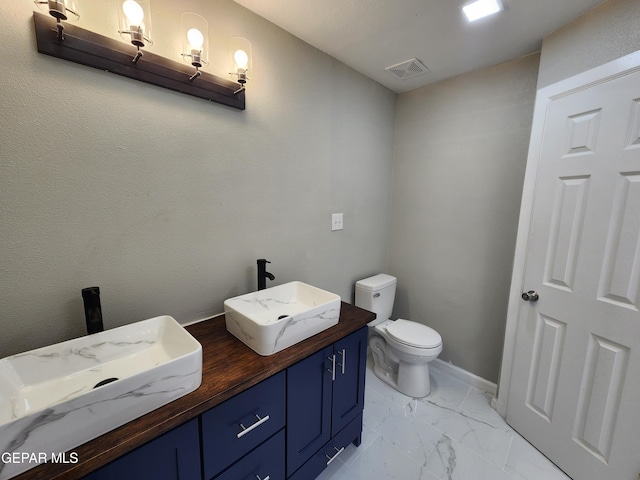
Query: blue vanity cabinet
point(291, 425)
point(239, 425)
point(325, 400)
point(174, 455)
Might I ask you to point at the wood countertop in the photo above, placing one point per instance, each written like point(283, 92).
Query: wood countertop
point(228, 368)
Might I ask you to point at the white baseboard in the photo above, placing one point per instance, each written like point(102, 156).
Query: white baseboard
point(467, 377)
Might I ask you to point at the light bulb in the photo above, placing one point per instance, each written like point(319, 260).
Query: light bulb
point(133, 11)
point(196, 39)
point(241, 58)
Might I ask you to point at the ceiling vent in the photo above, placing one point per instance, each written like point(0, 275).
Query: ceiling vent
point(407, 69)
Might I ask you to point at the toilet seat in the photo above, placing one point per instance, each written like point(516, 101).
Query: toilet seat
point(413, 334)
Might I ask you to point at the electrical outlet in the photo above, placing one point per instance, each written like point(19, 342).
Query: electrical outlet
point(336, 221)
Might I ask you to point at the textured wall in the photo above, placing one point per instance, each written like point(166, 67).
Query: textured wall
point(605, 33)
point(461, 149)
point(165, 201)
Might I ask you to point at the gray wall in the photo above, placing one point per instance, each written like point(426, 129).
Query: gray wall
point(165, 201)
point(459, 158)
point(605, 33)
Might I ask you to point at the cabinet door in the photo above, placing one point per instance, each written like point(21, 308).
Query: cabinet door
point(331, 451)
point(172, 456)
point(348, 387)
point(308, 407)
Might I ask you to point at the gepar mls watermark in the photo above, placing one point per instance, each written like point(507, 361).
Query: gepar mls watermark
point(38, 457)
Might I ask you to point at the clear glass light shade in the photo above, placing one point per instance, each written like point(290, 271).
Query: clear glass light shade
point(134, 20)
point(195, 39)
point(60, 9)
point(241, 57)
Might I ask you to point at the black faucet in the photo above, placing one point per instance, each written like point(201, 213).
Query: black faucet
point(263, 274)
point(92, 309)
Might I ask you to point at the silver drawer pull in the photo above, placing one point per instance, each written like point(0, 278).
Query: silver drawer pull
point(331, 459)
point(258, 477)
point(246, 430)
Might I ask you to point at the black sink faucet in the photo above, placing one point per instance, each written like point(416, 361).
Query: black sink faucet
point(92, 309)
point(263, 274)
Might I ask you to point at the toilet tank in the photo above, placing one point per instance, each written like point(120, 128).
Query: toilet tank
point(377, 294)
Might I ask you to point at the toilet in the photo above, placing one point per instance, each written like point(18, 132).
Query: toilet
point(401, 349)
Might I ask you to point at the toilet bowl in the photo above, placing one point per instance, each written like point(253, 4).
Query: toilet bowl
point(401, 349)
point(401, 352)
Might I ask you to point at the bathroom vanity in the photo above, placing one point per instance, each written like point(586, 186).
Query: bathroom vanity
point(287, 415)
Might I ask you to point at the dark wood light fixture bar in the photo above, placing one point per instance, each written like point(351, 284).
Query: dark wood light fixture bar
point(88, 48)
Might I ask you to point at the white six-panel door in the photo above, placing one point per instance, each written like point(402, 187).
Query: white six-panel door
point(574, 377)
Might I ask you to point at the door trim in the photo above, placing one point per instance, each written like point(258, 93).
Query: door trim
point(617, 68)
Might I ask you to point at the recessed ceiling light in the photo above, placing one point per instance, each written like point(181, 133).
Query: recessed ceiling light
point(481, 8)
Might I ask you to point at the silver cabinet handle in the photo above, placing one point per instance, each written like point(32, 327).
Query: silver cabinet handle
point(246, 430)
point(343, 352)
point(265, 478)
point(333, 367)
point(331, 459)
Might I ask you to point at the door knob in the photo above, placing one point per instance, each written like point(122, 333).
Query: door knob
point(530, 296)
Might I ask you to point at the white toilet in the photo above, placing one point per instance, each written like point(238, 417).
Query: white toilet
point(401, 349)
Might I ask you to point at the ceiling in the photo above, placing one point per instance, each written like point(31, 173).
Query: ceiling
point(370, 35)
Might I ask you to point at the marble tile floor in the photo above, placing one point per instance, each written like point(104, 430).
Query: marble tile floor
point(452, 434)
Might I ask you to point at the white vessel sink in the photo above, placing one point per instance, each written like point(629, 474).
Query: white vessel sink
point(273, 319)
point(52, 399)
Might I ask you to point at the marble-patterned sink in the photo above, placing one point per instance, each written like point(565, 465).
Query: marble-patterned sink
point(273, 319)
point(56, 398)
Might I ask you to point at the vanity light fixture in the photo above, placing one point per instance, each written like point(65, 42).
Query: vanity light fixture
point(481, 8)
point(195, 41)
point(111, 55)
point(134, 19)
point(60, 10)
point(240, 49)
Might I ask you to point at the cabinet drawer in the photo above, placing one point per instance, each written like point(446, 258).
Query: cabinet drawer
point(331, 451)
point(240, 424)
point(266, 461)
